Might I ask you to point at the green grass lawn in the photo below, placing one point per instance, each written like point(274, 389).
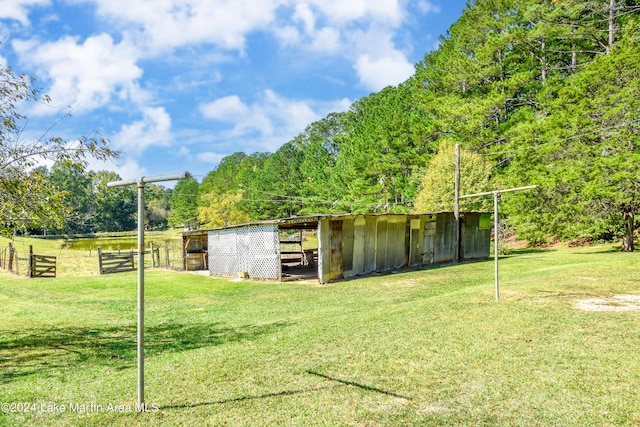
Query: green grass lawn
point(428, 347)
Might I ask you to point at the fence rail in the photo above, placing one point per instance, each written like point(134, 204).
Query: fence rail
point(16, 259)
point(114, 262)
point(9, 259)
point(41, 265)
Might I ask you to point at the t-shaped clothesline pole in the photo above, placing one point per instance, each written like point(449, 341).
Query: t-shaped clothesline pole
point(496, 194)
point(140, 183)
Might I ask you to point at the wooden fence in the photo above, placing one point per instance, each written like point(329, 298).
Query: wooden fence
point(114, 262)
point(41, 265)
point(9, 258)
point(33, 266)
point(117, 262)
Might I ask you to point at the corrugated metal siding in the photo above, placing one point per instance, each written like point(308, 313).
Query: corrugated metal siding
point(370, 239)
point(336, 261)
point(475, 242)
point(381, 244)
point(444, 249)
point(350, 245)
point(324, 250)
point(415, 242)
point(429, 241)
point(359, 251)
point(397, 239)
point(347, 247)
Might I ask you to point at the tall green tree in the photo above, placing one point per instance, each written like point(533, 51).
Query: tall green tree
point(27, 197)
point(275, 189)
point(437, 189)
point(586, 150)
point(221, 211)
point(157, 206)
point(184, 204)
point(115, 208)
point(77, 188)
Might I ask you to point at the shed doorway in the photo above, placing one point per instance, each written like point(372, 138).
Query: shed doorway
point(299, 250)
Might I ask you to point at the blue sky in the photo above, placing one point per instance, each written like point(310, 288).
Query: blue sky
point(178, 84)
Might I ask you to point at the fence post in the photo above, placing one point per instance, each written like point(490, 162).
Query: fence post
point(30, 268)
point(153, 255)
point(99, 259)
point(11, 253)
point(166, 254)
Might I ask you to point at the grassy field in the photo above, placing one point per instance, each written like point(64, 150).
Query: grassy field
point(427, 347)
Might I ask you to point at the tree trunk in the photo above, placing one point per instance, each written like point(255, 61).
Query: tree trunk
point(543, 60)
point(612, 24)
point(629, 228)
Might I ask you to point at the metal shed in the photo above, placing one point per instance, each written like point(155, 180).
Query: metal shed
point(333, 247)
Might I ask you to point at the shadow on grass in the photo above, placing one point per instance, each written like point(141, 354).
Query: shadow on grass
point(340, 382)
point(245, 398)
point(362, 386)
point(527, 251)
point(42, 351)
point(613, 250)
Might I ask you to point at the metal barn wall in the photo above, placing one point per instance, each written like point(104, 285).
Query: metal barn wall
point(350, 245)
point(251, 249)
point(444, 245)
point(475, 242)
point(361, 244)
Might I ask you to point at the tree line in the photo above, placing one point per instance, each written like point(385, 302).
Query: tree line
point(535, 92)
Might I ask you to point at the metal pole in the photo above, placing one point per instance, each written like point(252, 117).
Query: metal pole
point(456, 206)
point(140, 182)
point(496, 241)
point(497, 193)
point(140, 295)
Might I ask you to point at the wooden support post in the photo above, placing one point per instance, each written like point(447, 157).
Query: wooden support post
point(153, 257)
point(31, 266)
point(11, 254)
point(166, 255)
point(99, 259)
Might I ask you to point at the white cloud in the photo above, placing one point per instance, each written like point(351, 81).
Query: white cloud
point(379, 63)
point(341, 11)
point(326, 40)
point(271, 121)
point(377, 73)
point(427, 7)
point(224, 109)
point(304, 14)
point(85, 75)
point(361, 31)
point(17, 9)
point(288, 35)
point(126, 167)
point(153, 130)
point(167, 24)
point(210, 157)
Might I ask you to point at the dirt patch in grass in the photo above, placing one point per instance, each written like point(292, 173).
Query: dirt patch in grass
point(613, 303)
